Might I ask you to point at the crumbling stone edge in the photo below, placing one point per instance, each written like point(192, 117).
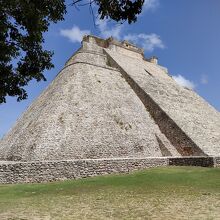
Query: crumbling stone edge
point(47, 171)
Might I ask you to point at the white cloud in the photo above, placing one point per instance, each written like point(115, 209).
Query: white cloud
point(147, 41)
point(107, 30)
point(75, 34)
point(150, 4)
point(204, 79)
point(184, 82)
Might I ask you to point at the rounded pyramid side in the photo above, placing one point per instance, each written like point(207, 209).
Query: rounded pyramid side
point(88, 111)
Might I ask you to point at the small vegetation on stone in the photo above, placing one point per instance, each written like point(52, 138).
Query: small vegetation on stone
point(61, 120)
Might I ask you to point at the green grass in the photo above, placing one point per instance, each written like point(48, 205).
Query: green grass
point(159, 193)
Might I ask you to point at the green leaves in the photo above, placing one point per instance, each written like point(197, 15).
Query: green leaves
point(120, 10)
point(22, 24)
point(22, 57)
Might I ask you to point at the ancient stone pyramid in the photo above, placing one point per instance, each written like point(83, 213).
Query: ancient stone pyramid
point(109, 101)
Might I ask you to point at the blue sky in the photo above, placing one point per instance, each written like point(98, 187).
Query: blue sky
point(183, 34)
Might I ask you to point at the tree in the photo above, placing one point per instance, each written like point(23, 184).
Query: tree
point(22, 24)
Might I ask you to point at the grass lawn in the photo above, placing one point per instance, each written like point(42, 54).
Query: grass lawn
point(159, 193)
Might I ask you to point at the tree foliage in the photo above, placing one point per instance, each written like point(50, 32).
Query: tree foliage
point(120, 10)
point(22, 24)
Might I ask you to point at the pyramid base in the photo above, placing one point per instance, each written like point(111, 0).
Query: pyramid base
point(48, 171)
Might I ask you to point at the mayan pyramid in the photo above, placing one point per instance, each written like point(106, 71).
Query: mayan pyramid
point(109, 101)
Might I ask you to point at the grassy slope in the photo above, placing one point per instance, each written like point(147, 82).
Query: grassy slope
point(168, 193)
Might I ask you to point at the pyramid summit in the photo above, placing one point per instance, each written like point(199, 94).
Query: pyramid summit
point(110, 109)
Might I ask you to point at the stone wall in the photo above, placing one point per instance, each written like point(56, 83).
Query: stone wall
point(192, 161)
point(47, 171)
point(217, 161)
point(30, 172)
